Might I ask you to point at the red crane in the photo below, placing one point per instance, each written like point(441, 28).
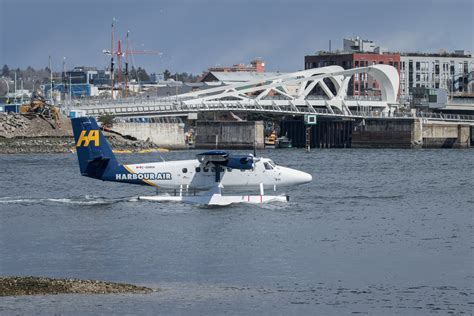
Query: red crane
point(119, 53)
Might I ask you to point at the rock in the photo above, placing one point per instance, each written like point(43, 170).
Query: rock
point(14, 286)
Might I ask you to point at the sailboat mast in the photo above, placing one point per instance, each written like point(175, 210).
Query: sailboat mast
point(112, 61)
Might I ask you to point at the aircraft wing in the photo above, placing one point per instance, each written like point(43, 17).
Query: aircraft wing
point(224, 159)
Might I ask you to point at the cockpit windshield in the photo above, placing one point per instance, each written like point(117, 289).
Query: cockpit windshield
point(272, 163)
point(267, 166)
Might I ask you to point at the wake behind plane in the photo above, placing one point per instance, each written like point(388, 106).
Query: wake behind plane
point(204, 180)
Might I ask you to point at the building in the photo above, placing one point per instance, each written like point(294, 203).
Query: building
point(87, 75)
point(225, 77)
point(360, 84)
point(256, 65)
point(452, 72)
point(358, 45)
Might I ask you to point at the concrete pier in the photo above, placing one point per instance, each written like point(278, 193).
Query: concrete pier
point(326, 134)
point(229, 134)
point(167, 135)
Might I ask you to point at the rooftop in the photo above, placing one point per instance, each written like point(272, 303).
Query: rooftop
point(232, 77)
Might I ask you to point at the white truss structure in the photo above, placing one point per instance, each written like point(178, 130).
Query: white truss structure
point(295, 88)
point(285, 94)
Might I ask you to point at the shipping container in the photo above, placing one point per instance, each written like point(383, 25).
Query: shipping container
point(12, 108)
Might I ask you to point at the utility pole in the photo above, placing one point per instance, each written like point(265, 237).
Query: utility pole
point(51, 80)
point(15, 86)
point(64, 78)
point(176, 83)
point(21, 83)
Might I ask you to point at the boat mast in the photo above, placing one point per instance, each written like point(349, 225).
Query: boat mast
point(126, 65)
point(112, 61)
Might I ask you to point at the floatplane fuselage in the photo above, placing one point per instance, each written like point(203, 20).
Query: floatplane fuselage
point(210, 174)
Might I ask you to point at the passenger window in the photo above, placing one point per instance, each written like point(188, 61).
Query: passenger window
point(267, 166)
point(198, 169)
point(185, 170)
point(205, 169)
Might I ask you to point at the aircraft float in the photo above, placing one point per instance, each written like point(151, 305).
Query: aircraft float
point(199, 181)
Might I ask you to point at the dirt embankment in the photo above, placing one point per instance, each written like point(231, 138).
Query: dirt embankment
point(13, 286)
point(19, 134)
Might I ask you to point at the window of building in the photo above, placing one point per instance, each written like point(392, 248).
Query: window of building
point(395, 64)
point(417, 65)
point(356, 63)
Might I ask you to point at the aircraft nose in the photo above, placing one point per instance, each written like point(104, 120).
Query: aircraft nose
point(305, 177)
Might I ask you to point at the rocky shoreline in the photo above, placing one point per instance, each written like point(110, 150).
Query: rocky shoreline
point(20, 135)
point(29, 285)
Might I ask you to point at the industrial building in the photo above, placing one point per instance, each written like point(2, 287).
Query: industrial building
point(256, 65)
point(224, 77)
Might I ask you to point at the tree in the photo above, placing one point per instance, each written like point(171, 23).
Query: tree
point(142, 75)
point(5, 71)
point(166, 74)
point(107, 120)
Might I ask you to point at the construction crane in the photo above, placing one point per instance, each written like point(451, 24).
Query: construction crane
point(123, 76)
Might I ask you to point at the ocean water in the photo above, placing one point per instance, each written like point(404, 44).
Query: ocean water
point(377, 232)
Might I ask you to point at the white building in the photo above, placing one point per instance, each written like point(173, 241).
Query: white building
point(453, 72)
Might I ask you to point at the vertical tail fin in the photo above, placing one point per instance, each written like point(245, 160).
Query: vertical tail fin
point(95, 156)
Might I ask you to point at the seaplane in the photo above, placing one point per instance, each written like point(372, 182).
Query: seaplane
point(206, 180)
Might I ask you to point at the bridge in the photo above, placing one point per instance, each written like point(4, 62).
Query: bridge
point(284, 94)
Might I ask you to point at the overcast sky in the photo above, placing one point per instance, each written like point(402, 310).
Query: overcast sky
point(194, 35)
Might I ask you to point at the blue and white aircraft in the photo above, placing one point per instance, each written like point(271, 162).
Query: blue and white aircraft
point(198, 181)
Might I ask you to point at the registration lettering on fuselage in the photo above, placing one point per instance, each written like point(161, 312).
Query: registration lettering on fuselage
point(143, 176)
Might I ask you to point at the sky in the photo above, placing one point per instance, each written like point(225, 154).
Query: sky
point(194, 35)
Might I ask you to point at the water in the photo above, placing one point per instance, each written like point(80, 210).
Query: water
point(376, 232)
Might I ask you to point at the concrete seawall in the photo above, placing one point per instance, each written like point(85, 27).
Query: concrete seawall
point(410, 133)
point(167, 135)
point(380, 133)
point(229, 134)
